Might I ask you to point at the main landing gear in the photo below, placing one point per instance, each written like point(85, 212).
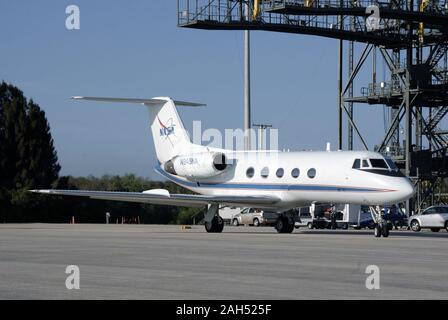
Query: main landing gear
point(213, 222)
point(285, 223)
point(381, 226)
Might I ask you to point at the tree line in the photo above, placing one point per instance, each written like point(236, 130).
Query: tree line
point(28, 160)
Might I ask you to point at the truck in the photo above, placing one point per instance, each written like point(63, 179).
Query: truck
point(338, 216)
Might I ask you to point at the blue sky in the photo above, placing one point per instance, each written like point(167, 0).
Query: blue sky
point(135, 49)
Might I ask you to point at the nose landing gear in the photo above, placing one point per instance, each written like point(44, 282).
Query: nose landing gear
point(381, 226)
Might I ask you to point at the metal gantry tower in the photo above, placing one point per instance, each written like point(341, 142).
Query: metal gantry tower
point(410, 37)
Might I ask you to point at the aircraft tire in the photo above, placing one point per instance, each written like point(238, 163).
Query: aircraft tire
point(378, 231)
point(280, 225)
point(209, 227)
point(289, 228)
point(215, 226)
point(385, 231)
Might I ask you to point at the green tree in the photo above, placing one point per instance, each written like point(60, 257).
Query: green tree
point(28, 158)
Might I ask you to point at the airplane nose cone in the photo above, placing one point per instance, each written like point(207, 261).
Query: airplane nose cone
point(408, 189)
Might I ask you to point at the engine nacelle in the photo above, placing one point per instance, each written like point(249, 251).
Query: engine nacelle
point(199, 165)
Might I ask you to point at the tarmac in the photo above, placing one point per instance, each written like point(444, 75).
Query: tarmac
point(167, 262)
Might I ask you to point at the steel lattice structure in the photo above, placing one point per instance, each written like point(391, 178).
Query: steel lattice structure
point(411, 37)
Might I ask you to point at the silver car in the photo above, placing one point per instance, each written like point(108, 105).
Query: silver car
point(434, 218)
point(255, 217)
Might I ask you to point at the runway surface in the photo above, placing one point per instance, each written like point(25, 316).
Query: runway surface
point(165, 262)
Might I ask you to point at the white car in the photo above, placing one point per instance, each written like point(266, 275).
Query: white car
point(254, 217)
point(434, 218)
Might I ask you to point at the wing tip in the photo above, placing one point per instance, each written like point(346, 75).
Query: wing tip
point(39, 191)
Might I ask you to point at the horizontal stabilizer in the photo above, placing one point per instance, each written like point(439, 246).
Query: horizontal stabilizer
point(139, 101)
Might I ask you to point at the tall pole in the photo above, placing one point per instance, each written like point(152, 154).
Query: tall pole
point(247, 142)
point(351, 52)
point(340, 97)
point(341, 47)
point(408, 117)
point(350, 95)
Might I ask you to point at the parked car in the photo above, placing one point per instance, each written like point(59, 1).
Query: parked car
point(392, 214)
point(434, 218)
point(255, 217)
point(365, 221)
point(396, 216)
point(304, 218)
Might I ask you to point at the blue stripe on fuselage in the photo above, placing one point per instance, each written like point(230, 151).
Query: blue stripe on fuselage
point(263, 186)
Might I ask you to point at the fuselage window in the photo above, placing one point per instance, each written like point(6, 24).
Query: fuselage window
point(280, 172)
point(295, 173)
point(365, 164)
point(378, 163)
point(250, 172)
point(357, 164)
point(264, 172)
point(311, 173)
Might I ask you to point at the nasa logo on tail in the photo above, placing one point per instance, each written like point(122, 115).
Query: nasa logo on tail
point(166, 129)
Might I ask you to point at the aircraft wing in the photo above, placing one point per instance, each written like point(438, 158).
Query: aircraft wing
point(163, 197)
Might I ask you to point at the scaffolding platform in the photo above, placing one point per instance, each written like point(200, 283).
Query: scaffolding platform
point(411, 38)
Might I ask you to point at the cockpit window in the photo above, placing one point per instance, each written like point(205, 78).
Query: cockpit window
point(357, 164)
point(391, 164)
point(365, 164)
point(379, 163)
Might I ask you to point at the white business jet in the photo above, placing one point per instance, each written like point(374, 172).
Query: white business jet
point(268, 180)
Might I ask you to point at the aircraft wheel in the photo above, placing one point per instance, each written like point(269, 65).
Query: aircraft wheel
point(209, 226)
point(290, 228)
point(219, 225)
point(385, 232)
point(215, 226)
point(280, 225)
point(377, 231)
